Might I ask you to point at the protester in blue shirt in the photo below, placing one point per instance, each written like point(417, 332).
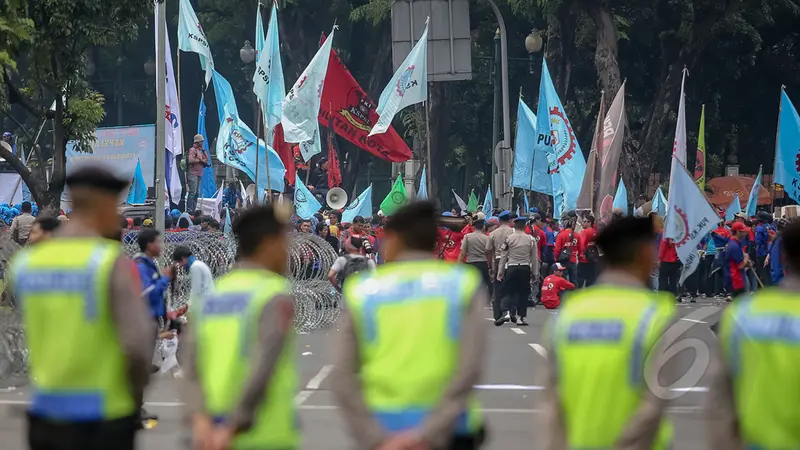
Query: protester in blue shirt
point(736, 261)
point(154, 284)
point(774, 260)
point(762, 246)
point(231, 195)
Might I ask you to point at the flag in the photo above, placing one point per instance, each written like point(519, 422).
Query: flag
point(621, 198)
point(488, 207)
point(259, 32)
point(286, 152)
point(517, 212)
point(360, 206)
point(227, 229)
point(700, 162)
point(690, 218)
point(305, 204)
point(174, 125)
point(461, 204)
point(334, 169)
point(591, 178)
point(237, 146)
point(301, 106)
point(243, 194)
point(422, 192)
point(396, 198)
point(787, 149)
point(191, 37)
point(659, 203)
point(556, 137)
point(525, 202)
point(734, 208)
point(408, 86)
point(679, 145)
point(138, 192)
point(211, 205)
point(208, 185)
point(311, 147)
point(472, 202)
point(268, 83)
point(531, 167)
point(609, 151)
point(353, 114)
point(752, 201)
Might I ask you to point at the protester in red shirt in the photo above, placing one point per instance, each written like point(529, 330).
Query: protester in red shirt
point(552, 287)
point(669, 267)
point(568, 239)
point(587, 253)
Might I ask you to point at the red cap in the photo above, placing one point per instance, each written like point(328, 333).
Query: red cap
point(738, 226)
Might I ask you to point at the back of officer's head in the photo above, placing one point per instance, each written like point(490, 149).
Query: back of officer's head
point(95, 194)
point(412, 228)
point(261, 235)
point(520, 223)
point(791, 244)
point(627, 244)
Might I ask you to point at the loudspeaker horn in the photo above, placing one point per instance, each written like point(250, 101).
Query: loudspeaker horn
point(336, 198)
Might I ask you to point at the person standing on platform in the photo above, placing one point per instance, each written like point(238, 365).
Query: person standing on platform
point(604, 348)
point(475, 251)
point(89, 336)
point(519, 266)
point(755, 378)
point(496, 240)
point(197, 160)
point(241, 375)
point(411, 345)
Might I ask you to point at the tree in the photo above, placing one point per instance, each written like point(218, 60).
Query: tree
point(50, 83)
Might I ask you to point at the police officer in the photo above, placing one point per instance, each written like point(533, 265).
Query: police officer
point(88, 332)
point(496, 240)
point(754, 380)
point(240, 366)
point(411, 345)
point(475, 251)
point(606, 339)
point(518, 267)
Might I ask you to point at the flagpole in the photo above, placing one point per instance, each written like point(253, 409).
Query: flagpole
point(258, 136)
point(266, 153)
point(161, 96)
point(180, 124)
point(775, 159)
point(428, 139)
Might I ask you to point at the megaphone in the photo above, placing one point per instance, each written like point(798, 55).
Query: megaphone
point(336, 198)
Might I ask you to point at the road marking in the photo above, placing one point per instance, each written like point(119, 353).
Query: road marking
point(672, 410)
point(508, 387)
point(301, 397)
point(489, 318)
point(690, 389)
point(692, 320)
point(540, 350)
point(320, 377)
point(518, 330)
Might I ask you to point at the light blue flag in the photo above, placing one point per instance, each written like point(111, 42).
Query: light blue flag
point(734, 208)
point(191, 37)
point(527, 205)
point(259, 32)
point(236, 143)
point(208, 185)
point(360, 206)
point(659, 203)
point(517, 211)
point(488, 205)
point(621, 198)
point(787, 170)
point(558, 204)
point(227, 228)
point(138, 192)
point(556, 137)
point(305, 204)
point(408, 86)
point(422, 192)
point(752, 200)
point(268, 83)
point(531, 167)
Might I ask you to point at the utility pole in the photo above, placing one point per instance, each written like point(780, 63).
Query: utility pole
point(161, 106)
point(496, 115)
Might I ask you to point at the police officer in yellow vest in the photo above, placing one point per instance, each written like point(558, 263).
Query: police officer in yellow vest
point(89, 337)
point(754, 382)
point(411, 345)
point(241, 376)
point(602, 344)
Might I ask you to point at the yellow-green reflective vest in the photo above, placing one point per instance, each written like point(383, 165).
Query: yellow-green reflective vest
point(408, 317)
point(761, 346)
point(602, 337)
point(76, 361)
point(227, 327)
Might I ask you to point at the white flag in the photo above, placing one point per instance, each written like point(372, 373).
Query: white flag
point(679, 144)
point(301, 106)
point(311, 148)
point(408, 86)
point(690, 217)
point(191, 38)
point(173, 125)
point(460, 201)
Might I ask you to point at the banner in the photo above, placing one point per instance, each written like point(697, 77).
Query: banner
point(752, 200)
point(268, 82)
point(787, 152)
point(360, 206)
point(408, 86)
point(734, 208)
point(302, 103)
point(120, 150)
point(138, 190)
point(396, 198)
point(591, 178)
point(700, 162)
point(422, 192)
point(531, 166)
point(305, 204)
point(208, 184)
point(621, 198)
point(609, 151)
point(192, 39)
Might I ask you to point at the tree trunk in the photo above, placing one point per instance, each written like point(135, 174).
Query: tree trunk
point(561, 27)
point(605, 55)
point(438, 94)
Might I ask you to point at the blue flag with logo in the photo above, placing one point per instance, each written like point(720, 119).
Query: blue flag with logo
point(734, 208)
point(305, 204)
point(236, 143)
point(752, 200)
point(268, 83)
point(138, 193)
point(787, 170)
point(556, 137)
point(488, 207)
point(422, 192)
point(208, 185)
point(531, 166)
point(621, 198)
point(360, 206)
point(227, 228)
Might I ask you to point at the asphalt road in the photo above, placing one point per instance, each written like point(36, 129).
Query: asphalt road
point(510, 390)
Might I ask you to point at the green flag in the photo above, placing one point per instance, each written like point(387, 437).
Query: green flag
point(396, 199)
point(472, 203)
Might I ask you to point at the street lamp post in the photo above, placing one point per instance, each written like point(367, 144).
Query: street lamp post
point(533, 44)
point(118, 90)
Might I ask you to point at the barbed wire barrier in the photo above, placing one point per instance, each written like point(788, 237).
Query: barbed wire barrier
point(317, 303)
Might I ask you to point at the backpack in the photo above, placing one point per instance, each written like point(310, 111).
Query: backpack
point(354, 264)
point(565, 254)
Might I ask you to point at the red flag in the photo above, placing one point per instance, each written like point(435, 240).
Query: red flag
point(353, 113)
point(334, 171)
point(284, 150)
